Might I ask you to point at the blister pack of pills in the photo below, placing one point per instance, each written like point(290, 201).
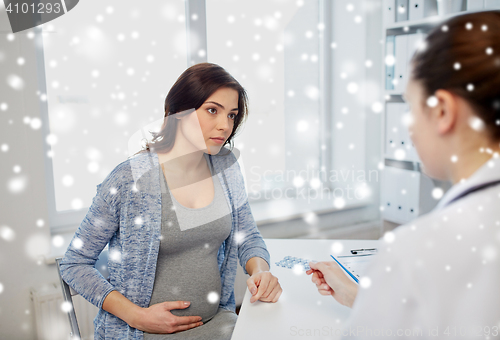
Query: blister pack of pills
point(290, 262)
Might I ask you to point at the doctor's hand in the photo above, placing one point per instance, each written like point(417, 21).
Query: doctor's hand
point(157, 319)
point(264, 286)
point(330, 279)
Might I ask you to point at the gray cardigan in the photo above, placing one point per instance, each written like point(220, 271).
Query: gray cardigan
point(126, 212)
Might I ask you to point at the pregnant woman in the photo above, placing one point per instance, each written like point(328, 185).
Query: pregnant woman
point(177, 219)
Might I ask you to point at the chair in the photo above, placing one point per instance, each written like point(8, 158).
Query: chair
point(68, 292)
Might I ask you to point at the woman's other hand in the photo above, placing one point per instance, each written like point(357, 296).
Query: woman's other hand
point(264, 286)
point(330, 279)
point(157, 319)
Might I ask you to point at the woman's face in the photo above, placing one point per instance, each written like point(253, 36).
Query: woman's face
point(424, 132)
point(213, 122)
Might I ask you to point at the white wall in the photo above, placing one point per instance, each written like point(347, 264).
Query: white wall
point(19, 271)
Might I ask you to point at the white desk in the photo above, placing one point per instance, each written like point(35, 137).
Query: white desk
point(301, 312)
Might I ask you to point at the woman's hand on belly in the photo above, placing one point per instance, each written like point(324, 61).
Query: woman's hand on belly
point(157, 319)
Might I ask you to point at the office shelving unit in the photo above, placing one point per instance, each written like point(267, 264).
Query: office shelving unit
point(406, 192)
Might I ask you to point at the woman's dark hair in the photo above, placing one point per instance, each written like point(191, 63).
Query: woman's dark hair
point(190, 91)
point(465, 50)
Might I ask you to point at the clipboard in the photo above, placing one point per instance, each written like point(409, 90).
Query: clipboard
point(354, 265)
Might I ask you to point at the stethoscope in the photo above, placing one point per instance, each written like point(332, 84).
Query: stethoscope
point(477, 188)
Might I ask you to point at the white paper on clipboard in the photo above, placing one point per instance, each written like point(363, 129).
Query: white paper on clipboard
point(357, 265)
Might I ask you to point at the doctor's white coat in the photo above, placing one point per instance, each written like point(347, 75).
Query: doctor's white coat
point(439, 276)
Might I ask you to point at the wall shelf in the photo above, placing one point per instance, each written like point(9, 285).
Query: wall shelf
point(406, 192)
point(404, 27)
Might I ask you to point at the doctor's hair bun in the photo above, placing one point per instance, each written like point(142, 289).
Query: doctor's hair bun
point(462, 55)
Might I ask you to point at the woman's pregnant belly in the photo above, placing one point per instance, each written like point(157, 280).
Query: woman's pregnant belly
point(189, 277)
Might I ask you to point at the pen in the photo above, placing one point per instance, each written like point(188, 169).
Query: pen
point(356, 255)
point(355, 251)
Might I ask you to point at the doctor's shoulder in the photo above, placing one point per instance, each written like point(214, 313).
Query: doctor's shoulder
point(466, 224)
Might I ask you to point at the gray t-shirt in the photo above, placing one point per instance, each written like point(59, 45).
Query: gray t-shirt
point(187, 268)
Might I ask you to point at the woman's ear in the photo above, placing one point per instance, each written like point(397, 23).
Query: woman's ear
point(445, 113)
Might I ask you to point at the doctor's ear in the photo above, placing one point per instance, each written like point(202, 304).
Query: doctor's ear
point(445, 113)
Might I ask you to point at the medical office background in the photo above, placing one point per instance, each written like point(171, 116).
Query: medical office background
point(325, 151)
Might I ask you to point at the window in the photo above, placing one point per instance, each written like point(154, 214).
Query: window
point(304, 143)
point(107, 71)
point(305, 64)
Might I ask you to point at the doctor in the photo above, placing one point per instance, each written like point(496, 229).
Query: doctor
point(440, 275)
